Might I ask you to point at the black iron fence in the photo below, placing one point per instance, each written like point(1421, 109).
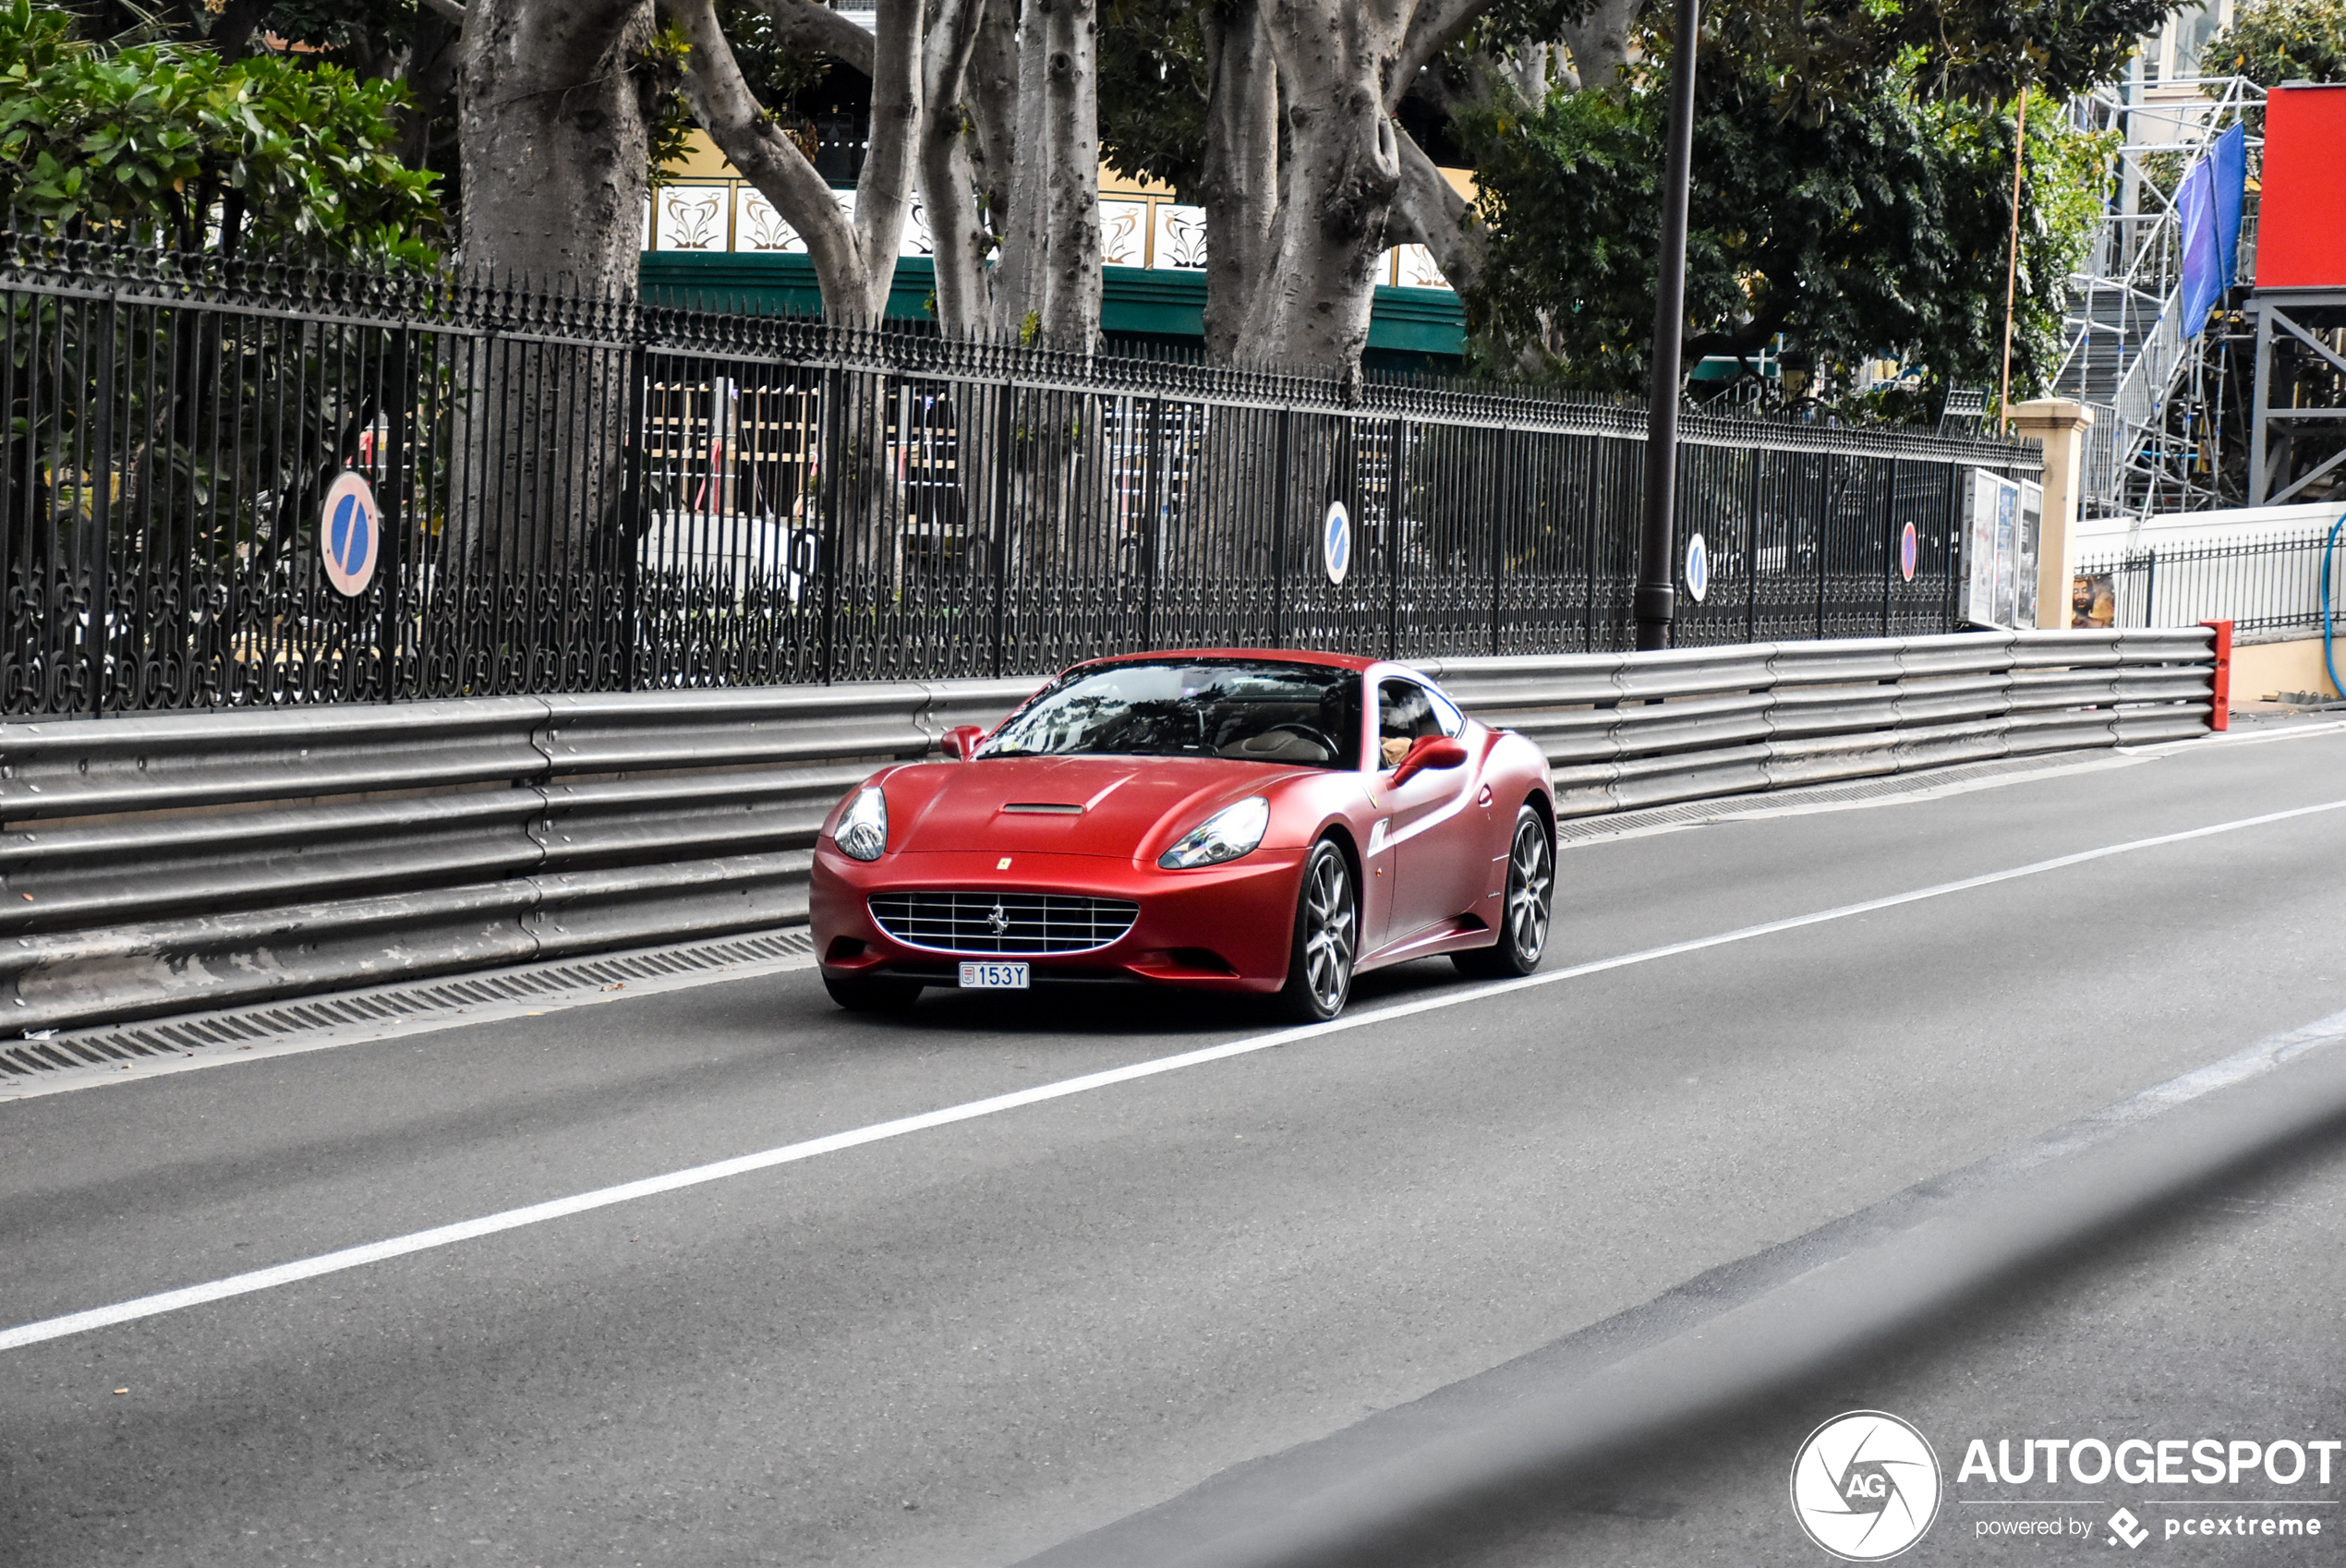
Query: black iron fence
point(2272, 584)
point(593, 495)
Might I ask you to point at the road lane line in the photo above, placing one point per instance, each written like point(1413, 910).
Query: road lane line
point(743, 1164)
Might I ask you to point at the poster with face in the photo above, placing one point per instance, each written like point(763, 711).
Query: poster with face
point(2093, 600)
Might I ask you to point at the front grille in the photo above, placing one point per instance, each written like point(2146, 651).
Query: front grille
point(1003, 922)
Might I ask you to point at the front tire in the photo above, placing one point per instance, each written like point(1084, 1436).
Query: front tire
point(1526, 907)
point(1327, 926)
point(873, 995)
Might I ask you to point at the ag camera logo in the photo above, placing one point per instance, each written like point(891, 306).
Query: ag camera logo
point(1865, 1486)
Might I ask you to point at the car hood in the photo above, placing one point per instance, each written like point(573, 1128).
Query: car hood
point(1125, 805)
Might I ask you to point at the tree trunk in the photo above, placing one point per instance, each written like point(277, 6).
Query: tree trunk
point(884, 189)
point(958, 233)
point(1306, 177)
point(555, 173)
point(1599, 42)
point(1239, 186)
point(948, 166)
point(808, 26)
point(1017, 289)
point(1072, 280)
point(1429, 210)
point(1046, 287)
point(1342, 170)
point(730, 112)
point(554, 140)
point(855, 259)
point(993, 108)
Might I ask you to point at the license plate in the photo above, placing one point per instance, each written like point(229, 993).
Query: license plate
point(992, 977)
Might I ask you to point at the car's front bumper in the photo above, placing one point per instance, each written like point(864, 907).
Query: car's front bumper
point(1217, 928)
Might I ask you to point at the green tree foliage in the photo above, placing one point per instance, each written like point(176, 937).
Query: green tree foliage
point(1153, 77)
point(1812, 55)
point(168, 143)
point(365, 35)
point(1875, 227)
point(2273, 42)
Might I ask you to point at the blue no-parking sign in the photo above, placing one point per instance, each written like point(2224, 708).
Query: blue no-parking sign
point(350, 534)
point(1336, 541)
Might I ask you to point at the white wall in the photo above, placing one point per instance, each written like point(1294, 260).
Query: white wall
point(2100, 536)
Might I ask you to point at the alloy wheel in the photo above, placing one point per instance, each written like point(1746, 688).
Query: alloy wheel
point(1531, 889)
point(1329, 924)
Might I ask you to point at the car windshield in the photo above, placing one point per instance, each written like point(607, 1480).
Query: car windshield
point(1299, 715)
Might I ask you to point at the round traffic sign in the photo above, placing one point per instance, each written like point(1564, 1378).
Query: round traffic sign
point(1336, 541)
point(1697, 568)
point(350, 534)
point(1909, 549)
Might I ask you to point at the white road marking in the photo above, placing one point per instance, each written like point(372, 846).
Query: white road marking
point(696, 1175)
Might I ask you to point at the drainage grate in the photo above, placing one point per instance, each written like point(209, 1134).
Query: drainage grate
point(172, 1037)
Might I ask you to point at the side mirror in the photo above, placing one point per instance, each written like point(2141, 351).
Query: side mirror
point(1431, 752)
point(960, 742)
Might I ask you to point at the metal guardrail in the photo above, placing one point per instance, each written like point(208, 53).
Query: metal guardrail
point(168, 862)
point(1629, 730)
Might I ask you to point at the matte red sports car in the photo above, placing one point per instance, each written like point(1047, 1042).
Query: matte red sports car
point(1225, 820)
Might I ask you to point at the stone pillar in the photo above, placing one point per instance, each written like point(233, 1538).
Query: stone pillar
point(2061, 424)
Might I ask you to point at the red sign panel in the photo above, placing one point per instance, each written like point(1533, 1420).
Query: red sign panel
point(2301, 212)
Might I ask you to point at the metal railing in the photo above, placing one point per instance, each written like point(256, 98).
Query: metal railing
point(2259, 584)
point(590, 495)
point(377, 842)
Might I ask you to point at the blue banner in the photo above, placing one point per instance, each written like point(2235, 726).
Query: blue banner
point(2207, 206)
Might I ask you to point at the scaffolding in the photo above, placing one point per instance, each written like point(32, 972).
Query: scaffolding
point(2164, 402)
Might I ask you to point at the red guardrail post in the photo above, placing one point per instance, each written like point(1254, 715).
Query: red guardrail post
point(2220, 710)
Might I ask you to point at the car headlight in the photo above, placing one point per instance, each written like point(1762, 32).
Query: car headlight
point(1228, 834)
point(861, 832)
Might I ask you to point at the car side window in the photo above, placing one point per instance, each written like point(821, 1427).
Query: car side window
point(1446, 713)
point(1405, 714)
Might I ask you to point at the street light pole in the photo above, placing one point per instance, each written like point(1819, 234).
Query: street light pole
point(1655, 603)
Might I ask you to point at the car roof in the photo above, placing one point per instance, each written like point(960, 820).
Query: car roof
point(1269, 656)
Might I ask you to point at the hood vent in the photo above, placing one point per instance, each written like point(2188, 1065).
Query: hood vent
point(1042, 808)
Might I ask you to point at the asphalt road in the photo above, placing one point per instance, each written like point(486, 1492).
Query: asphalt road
point(971, 1344)
point(2221, 1321)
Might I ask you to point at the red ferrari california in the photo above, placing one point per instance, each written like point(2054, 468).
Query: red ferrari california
point(1223, 820)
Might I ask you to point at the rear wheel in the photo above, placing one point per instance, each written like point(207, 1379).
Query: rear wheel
point(873, 995)
point(1327, 924)
point(1525, 908)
